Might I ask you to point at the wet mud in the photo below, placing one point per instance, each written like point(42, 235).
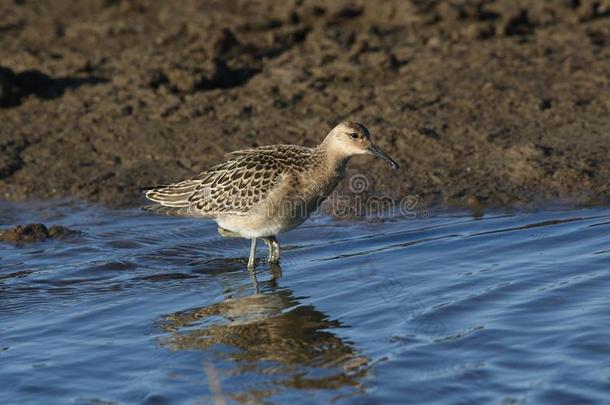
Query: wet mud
point(33, 233)
point(481, 102)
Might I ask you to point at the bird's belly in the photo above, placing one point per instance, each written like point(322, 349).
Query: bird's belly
point(288, 206)
point(256, 226)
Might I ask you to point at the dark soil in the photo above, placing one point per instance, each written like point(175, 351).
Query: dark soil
point(32, 233)
point(487, 102)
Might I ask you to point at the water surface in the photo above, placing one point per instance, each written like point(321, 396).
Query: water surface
point(446, 308)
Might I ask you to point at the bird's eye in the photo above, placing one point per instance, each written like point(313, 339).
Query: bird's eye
point(353, 135)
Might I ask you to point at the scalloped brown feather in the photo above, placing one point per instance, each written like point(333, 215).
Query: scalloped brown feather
point(232, 187)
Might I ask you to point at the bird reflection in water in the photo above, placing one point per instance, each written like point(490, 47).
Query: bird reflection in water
point(291, 345)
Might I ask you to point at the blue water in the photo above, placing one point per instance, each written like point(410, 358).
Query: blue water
point(444, 308)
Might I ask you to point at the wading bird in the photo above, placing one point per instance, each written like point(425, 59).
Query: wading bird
point(261, 192)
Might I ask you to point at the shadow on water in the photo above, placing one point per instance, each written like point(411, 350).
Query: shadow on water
point(264, 329)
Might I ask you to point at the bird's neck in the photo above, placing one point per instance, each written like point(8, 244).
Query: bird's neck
point(329, 161)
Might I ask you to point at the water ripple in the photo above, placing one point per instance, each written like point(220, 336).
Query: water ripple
point(506, 308)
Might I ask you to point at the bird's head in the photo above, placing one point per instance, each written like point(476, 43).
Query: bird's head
point(352, 138)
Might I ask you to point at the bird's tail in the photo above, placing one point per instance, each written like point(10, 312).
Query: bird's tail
point(172, 199)
point(172, 195)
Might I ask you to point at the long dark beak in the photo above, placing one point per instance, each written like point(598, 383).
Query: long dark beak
point(374, 150)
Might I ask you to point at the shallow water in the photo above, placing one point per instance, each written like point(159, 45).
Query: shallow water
point(507, 308)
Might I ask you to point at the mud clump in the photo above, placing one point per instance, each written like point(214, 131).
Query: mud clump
point(506, 102)
point(32, 233)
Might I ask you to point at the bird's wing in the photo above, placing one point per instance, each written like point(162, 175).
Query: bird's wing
point(232, 187)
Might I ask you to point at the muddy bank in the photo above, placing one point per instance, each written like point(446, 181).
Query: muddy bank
point(32, 233)
point(481, 102)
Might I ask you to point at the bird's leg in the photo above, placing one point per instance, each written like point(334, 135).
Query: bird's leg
point(252, 254)
point(274, 249)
